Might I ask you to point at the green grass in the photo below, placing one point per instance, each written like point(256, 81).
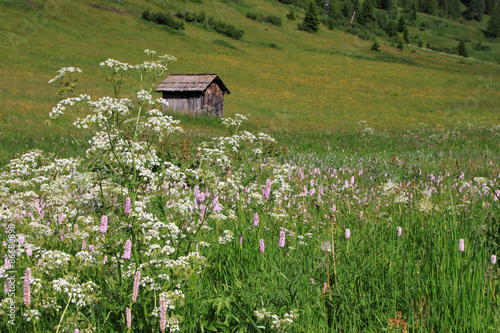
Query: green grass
point(376, 281)
point(284, 78)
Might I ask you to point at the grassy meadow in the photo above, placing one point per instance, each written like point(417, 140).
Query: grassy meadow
point(345, 190)
point(284, 78)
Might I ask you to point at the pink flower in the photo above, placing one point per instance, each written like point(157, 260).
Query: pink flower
point(241, 239)
point(128, 249)
point(324, 287)
point(135, 289)
point(163, 314)
point(256, 219)
point(261, 246)
point(26, 287)
point(127, 206)
point(282, 239)
point(7, 264)
point(400, 231)
point(6, 286)
point(347, 233)
point(493, 259)
point(461, 245)
point(29, 252)
point(266, 193)
point(104, 224)
point(129, 318)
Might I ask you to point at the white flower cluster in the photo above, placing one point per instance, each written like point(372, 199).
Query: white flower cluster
point(116, 65)
point(277, 324)
point(227, 237)
point(81, 294)
point(236, 122)
point(54, 260)
point(63, 71)
point(79, 101)
point(390, 188)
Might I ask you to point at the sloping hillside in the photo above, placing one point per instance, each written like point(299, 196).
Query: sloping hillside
point(284, 78)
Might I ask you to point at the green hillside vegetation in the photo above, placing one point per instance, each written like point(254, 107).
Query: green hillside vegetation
point(285, 79)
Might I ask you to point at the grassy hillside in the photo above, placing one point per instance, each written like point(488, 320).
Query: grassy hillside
point(284, 78)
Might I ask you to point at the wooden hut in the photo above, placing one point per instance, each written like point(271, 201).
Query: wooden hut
point(194, 92)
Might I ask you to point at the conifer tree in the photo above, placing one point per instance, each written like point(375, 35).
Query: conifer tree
point(406, 36)
point(401, 24)
point(311, 20)
point(474, 11)
point(493, 29)
point(391, 29)
point(414, 10)
point(462, 49)
point(366, 14)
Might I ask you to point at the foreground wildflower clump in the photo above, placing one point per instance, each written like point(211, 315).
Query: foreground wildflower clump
point(132, 238)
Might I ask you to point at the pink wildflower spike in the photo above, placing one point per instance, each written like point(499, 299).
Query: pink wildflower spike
point(163, 314)
point(347, 233)
point(129, 318)
point(21, 239)
point(77, 330)
point(104, 224)
point(493, 259)
point(282, 239)
point(135, 289)
point(91, 248)
point(6, 286)
point(127, 206)
point(266, 193)
point(128, 249)
point(256, 219)
point(400, 231)
point(7, 264)
point(461, 245)
point(60, 219)
point(262, 247)
point(29, 252)
point(241, 239)
point(26, 287)
point(324, 287)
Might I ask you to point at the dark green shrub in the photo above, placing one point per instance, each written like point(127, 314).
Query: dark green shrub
point(252, 16)
point(228, 30)
point(330, 22)
point(291, 15)
point(201, 17)
point(462, 49)
point(163, 19)
point(274, 20)
point(375, 46)
point(480, 47)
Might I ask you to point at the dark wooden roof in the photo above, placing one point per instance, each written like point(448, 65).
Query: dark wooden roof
point(190, 82)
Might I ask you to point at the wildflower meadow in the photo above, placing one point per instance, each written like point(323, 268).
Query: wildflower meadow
point(240, 236)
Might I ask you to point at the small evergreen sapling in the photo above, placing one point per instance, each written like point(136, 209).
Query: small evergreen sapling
point(462, 49)
point(311, 20)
